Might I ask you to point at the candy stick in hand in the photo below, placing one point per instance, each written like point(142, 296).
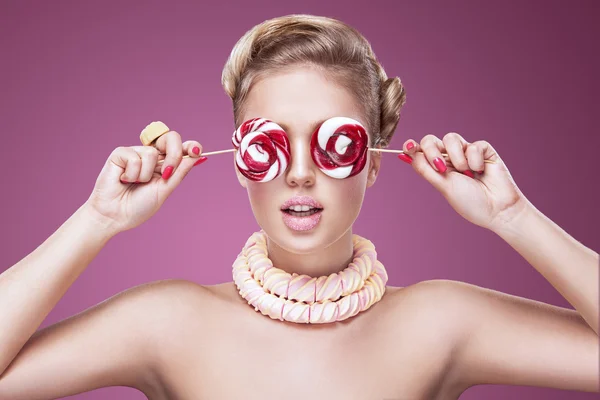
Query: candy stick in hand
point(210, 153)
point(402, 152)
point(382, 150)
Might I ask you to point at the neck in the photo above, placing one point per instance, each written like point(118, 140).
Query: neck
point(322, 262)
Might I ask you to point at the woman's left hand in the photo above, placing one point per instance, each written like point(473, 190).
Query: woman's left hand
point(487, 199)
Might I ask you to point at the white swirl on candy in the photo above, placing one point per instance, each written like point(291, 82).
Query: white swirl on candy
point(339, 147)
point(263, 149)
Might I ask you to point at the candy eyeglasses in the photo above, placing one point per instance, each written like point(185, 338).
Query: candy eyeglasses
point(338, 147)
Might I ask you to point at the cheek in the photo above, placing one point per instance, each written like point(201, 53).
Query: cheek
point(262, 195)
point(349, 193)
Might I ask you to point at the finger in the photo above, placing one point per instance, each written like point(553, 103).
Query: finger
point(474, 154)
point(433, 147)
point(180, 173)
point(423, 167)
point(484, 151)
point(189, 148)
point(408, 148)
point(149, 156)
point(123, 164)
point(192, 148)
point(170, 145)
point(456, 146)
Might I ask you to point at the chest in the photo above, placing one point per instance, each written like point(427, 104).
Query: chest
point(252, 357)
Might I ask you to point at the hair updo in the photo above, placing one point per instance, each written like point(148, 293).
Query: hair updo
point(334, 47)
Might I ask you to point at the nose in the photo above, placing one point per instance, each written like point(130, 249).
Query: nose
point(301, 169)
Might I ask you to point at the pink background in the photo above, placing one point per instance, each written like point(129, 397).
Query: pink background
point(81, 78)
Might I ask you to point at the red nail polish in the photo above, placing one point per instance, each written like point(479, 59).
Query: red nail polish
point(480, 172)
point(439, 165)
point(200, 161)
point(167, 172)
point(405, 158)
point(469, 174)
point(410, 145)
point(196, 150)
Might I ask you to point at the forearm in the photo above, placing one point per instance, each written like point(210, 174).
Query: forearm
point(32, 287)
point(568, 265)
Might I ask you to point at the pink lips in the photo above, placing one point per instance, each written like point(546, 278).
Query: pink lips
point(301, 223)
point(301, 200)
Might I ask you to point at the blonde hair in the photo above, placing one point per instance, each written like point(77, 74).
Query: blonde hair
point(335, 48)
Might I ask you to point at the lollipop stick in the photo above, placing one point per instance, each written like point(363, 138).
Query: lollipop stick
point(402, 152)
point(216, 152)
point(388, 151)
point(210, 153)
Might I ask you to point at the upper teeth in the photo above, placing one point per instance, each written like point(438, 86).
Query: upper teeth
point(300, 208)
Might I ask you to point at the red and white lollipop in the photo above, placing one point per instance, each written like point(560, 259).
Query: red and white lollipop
point(339, 147)
point(263, 149)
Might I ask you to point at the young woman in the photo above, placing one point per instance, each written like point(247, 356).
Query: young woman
point(307, 314)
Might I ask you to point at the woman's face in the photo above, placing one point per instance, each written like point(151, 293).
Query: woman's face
point(298, 100)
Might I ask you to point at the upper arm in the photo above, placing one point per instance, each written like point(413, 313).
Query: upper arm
point(117, 342)
point(511, 340)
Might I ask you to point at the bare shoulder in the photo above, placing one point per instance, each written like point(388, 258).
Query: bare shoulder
point(493, 329)
point(172, 300)
point(430, 316)
point(478, 304)
point(175, 313)
point(434, 313)
point(429, 295)
point(436, 293)
point(164, 286)
point(168, 309)
point(125, 340)
point(170, 290)
point(487, 331)
point(170, 297)
point(453, 304)
point(426, 309)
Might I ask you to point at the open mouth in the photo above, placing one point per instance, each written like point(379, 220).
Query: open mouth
point(302, 213)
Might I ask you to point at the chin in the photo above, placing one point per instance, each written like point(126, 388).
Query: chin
point(301, 245)
point(306, 242)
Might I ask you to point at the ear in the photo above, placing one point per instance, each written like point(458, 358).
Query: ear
point(374, 166)
point(241, 178)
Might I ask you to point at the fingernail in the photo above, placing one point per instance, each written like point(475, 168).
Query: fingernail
point(405, 158)
point(480, 172)
point(440, 165)
point(167, 172)
point(469, 174)
point(410, 145)
point(196, 150)
point(200, 161)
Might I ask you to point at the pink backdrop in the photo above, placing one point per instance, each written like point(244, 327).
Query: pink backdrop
point(81, 78)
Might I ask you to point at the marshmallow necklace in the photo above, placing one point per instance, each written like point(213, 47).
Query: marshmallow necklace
point(304, 299)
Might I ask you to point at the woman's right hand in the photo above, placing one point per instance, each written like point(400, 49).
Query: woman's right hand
point(126, 204)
